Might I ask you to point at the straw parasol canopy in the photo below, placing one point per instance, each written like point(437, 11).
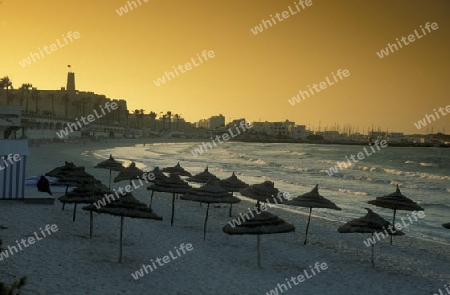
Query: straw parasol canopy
point(177, 169)
point(159, 175)
point(446, 225)
point(203, 177)
point(126, 206)
point(263, 192)
point(210, 193)
point(71, 175)
point(396, 201)
point(232, 184)
point(110, 164)
point(172, 184)
point(85, 193)
point(370, 223)
point(312, 200)
point(261, 223)
point(129, 173)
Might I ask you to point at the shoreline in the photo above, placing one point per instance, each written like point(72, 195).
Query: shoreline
point(421, 266)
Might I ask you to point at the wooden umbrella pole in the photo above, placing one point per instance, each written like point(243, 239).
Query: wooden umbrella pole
point(64, 204)
point(74, 211)
point(307, 225)
point(121, 239)
point(393, 223)
point(206, 221)
point(231, 205)
point(258, 242)
point(173, 209)
point(151, 199)
point(91, 225)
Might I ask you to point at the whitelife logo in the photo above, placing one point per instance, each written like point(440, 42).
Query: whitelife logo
point(371, 241)
point(66, 131)
point(322, 85)
point(188, 66)
point(165, 260)
point(423, 123)
point(299, 279)
point(53, 47)
point(124, 9)
point(411, 38)
point(31, 240)
point(285, 14)
point(147, 177)
point(360, 156)
point(9, 159)
point(243, 217)
point(199, 151)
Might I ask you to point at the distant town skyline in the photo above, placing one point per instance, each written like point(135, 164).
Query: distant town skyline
point(246, 75)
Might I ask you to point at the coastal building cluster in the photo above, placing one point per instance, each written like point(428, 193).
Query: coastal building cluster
point(44, 113)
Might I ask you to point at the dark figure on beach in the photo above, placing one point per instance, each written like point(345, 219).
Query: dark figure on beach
point(44, 186)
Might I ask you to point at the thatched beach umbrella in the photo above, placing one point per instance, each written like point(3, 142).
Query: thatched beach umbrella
point(159, 175)
point(370, 223)
point(446, 225)
point(177, 169)
point(210, 193)
point(61, 170)
point(232, 184)
point(261, 223)
point(110, 164)
point(263, 192)
point(126, 206)
point(312, 200)
point(172, 184)
point(129, 173)
point(396, 201)
point(203, 177)
point(85, 193)
point(70, 175)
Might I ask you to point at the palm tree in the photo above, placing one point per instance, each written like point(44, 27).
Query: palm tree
point(177, 119)
point(35, 96)
point(169, 116)
point(26, 87)
point(136, 114)
point(5, 82)
point(163, 117)
point(152, 119)
point(22, 94)
point(141, 116)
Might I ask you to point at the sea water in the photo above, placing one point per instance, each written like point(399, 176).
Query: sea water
point(423, 174)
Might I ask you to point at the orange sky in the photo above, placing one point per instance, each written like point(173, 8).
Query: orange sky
point(251, 76)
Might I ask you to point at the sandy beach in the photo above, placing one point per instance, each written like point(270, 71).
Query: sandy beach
point(68, 262)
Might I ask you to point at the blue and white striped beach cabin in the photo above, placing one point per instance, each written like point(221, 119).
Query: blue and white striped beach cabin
point(12, 175)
